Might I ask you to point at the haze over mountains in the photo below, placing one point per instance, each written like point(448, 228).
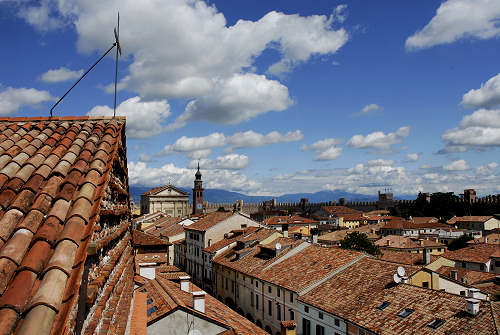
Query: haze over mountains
point(223, 196)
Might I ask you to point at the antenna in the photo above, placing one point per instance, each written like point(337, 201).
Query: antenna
point(400, 276)
point(119, 50)
point(401, 271)
point(397, 279)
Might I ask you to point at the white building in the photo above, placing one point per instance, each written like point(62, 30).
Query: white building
point(167, 199)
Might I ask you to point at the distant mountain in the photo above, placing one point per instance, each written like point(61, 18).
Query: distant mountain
point(223, 196)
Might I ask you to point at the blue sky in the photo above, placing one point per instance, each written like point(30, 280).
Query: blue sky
point(274, 97)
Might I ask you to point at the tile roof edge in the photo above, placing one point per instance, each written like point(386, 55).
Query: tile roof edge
point(494, 318)
point(291, 253)
point(330, 275)
point(61, 118)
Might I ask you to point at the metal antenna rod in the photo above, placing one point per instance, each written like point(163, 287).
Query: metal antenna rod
point(58, 101)
point(118, 50)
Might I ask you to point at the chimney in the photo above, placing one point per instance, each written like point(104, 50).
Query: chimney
point(472, 306)
point(199, 301)
point(388, 242)
point(426, 257)
point(288, 327)
point(315, 234)
point(486, 239)
point(473, 293)
point(185, 283)
point(454, 274)
point(284, 230)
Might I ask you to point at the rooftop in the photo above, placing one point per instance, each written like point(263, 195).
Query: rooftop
point(480, 219)
point(479, 253)
point(339, 210)
point(406, 242)
point(209, 220)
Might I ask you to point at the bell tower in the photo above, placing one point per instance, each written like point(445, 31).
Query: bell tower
point(198, 193)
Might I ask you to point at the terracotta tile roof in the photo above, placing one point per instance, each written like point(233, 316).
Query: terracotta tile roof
point(338, 235)
point(378, 212)
point(491, 287)
point(423, 219)
point(405, 242)
point(339, 210)
point(167, 296)
point(54, 174)
point(465, 276)
point(367, 283)
point(227, 241)
point(151, 257)
point(352, 217)
point(285, 219)
point(143, 239)
point(479, 253)
point(401, 257)
point(403, 224)
point(479, 218)
point(138, 321)
point(162, 225)
point(307, 266)
point(209, 220)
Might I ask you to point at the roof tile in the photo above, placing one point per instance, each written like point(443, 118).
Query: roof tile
point(63, 257)
point(23, 201)
point(6, 198)
point(37, 257)
point(31, 221)
point(8, 320)
point(49, 230)
point(19, 292)
point(17, 245)
point(59, 210)
point(7, 268)
point(42, 203)
point(8, 222)
point(73, 230)
point(81, 208)
point(34, 183)
point(51, 289)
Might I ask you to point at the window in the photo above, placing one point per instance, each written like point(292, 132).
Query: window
point(320, 330)
point(149, 301)
point(463, 265)
point(256, 301)
point(292, 314)
point(425, 284)
point(320, 315)
point(256, 283)
point(462, 293)
point(435, 324)
point(152, 310)
point(251, 281)
point(337, 322)
point(306, 327)
point(270, 307)
point(306, 309)
point(269, 289)
point(439, 249)
point(278, 292)
point(226, 284)
point(278, 312)
point(481, 267)
point(291, 296)
point(361, 332)
point(251, 299)
point(383, 305)
point(405, 312)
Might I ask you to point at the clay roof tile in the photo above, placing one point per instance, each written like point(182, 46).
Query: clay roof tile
point(18, 293)
point(7, 268)
point(8, 222)
point(8, 320)
point(63, 257)
point(42, 203)
point(34, 183)
point(81, 208)
point(52, 160)
point(37, 257)
point(17, 245)
point(6, 198)
point(43, 171)
point(52, 185)
point(73, 230)
point(23, 200)
point(60, 209)
point(49, 230)
point(62, 168)
point(21, 158)
point(31, 221)
point(10, 169)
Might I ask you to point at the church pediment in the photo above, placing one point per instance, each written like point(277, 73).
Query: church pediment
point(171, 191)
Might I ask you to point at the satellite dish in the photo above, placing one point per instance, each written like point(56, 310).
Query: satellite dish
point(397, 279)
point(278, 246)
point(401, 271)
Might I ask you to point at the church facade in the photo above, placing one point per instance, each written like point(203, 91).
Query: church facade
point(166, 199)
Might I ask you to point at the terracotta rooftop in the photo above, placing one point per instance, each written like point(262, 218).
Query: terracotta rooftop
point(480, 218)
point(405, 242)
point(352, 217)
point(339, 210)
point(368, 283)
point(158, 189)
point(167, 297)
point(209, 220)
point(338, 235)
point(465, 276)
point(53, 176)
point(403, 224)
point(143, 239)
point(307, 266)
point(378, 212)
point(423, 219)
point(227, 241)
point(401, 257)
point(294, 219)
point(479, 253)
point(138, 320)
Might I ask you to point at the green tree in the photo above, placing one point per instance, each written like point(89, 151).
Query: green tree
point(459, 242)
point(359, 241)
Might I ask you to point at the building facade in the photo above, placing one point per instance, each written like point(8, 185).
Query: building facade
point(167, 199)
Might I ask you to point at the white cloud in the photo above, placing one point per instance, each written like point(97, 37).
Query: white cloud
point(370, 108)
point(144, 118)
point(189, 52)
point(145, 158)
point(60, 74)
point(325, 149)
point(487, 169)
point(380, 162)
point(479, 130)
point(202, 144)
point(458, 19)
point(253, 139)
point(458, 165)
point(230, 162)
point(379, 140)
point(487, 96)
point(11, 99)
point(412, 157)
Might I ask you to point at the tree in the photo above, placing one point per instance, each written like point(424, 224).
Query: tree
point(359, 241)
point(459, 242)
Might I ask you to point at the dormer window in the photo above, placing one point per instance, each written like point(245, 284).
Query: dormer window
point(383, 305)
point(435, 324)
point(405, 312)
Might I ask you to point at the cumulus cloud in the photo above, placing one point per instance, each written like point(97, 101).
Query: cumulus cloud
point(479, 130)
point(197, 147)
point(60, 74)
point(145, 158)
point(379, 140)
point(230, 162)
point(12, 99)
point(458, 165)
point(142, 174)
point(458, 19)
point(412, 157)
point(144, 118)
point(487, 96)
point(487, 169)
point(218, 82)
point(369, 109)
point(324, 149)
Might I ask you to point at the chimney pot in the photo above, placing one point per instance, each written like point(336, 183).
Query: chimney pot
point(199, 301)
point(454, 274)
point(185, 283)
point(472, 306)
point(473, 293)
